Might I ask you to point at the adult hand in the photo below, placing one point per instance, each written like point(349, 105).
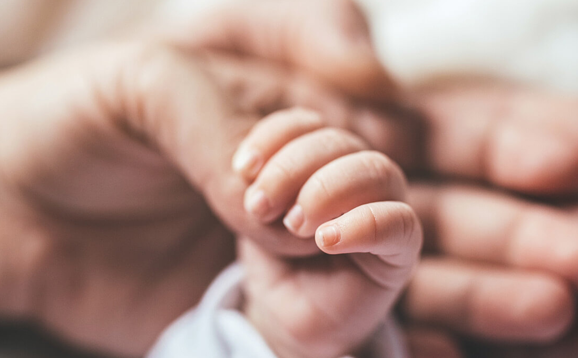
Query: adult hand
point(488, 239)
point(513, 137)
point(566, 348)
point(521, 139)
point(507, 263)
point(327, 39)
point(107, 158)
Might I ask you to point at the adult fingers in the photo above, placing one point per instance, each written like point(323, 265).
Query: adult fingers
point(517, 138)
point(488, 302)
point(384, 240)
point(565, 348)
point(430, 343)
point(327, 38)
point(485, 225)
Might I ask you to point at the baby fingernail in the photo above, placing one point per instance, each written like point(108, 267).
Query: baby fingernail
point(257, 203)
point(329, 236)
point(294, 218)
point(247, 161)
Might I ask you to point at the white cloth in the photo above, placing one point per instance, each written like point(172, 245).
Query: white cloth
point(217, 329)
point(527, 41)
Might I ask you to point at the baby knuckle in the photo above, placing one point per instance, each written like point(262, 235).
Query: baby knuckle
point(410, 227)
point(282, 169)
point(305, 115)
point(319, 184)
point(332, 137)
point(296, 118)
point(382, 169)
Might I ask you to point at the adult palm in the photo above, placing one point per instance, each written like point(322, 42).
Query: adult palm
point(104, 239)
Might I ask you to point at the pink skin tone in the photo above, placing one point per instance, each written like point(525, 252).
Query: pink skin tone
point(348, 199)
point(117, 185)
point(498, 237)
point(499, 147)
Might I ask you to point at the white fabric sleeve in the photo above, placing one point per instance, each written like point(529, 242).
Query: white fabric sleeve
point(217, 329)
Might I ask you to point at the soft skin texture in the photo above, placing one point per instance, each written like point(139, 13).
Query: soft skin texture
point(487, 229)
point(101, 227)
point(479, 109)
point(498, 148)
point(324, 306)
point(104, 183)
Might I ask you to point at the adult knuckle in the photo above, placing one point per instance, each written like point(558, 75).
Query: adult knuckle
point(533, 226)
point(549, 311)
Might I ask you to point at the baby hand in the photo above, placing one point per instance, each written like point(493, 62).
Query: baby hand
point(324, 182)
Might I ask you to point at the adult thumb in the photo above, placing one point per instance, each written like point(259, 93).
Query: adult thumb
point(170, 100)
point(328, 38)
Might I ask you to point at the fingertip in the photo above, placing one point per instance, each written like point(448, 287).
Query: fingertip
point(256, 203)
point(551, 310)
point(534, 160)
point(247, 162)
point(328, 237)
point(294, 219)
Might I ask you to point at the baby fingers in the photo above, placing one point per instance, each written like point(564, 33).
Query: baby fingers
point(385, 238)
point(269, 135)
point(383, 229)
point(281, 178)
point(342, 185)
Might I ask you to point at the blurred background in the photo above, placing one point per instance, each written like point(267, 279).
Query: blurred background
point(533, 42)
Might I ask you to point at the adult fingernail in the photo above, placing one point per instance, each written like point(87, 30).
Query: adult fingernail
point(256, 202)
point(294, 218)
point(247, 161)
point(328, 236)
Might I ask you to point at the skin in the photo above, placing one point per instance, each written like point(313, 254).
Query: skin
point(489, 237)
point(81, 247)
point(129, 248)
point(330, 303)
point(499, 148)
point(445, 108)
